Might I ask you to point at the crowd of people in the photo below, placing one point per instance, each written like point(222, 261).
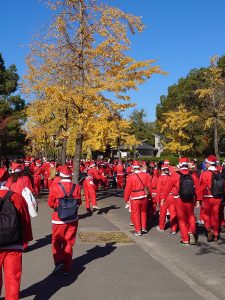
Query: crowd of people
point(152, 193)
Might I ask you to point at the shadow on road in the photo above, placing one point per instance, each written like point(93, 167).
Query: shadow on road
point(101, 194)
point(105, 210)
point(40, 243)
point(46, 288)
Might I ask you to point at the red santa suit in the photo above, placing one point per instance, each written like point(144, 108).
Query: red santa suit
point(119, 170)
point(38, 173)
point(63, 232)
point(210, 205)
point(89, 192)
point(169, 202)
point(135, 193)
point(11, 256)
point(46, 168)
point(22, 181)
point(184, 210)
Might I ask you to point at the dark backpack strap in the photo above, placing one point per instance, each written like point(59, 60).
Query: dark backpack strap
point(140, 180)
point(72, 189)
point(63, 189)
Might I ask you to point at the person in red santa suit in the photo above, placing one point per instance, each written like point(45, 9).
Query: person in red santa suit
point(120, 174)
point(38, 174)
point(63, 232)
point(184, 207)
point(210, 204)
point(11, 253)
point(171, 168)
point(135, 194)
point(46, 168)
point(169, 202)
point(93, 172)
point(17, 181)
point(3, 175)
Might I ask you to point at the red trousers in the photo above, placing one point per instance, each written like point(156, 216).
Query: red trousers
point(120, 181)
point(170, 205)
point(139, 213)
point(211, 208)
point(63, 240)
point(11, 263)
point(37, 185)
point(186, 218)
point(221, 215)
point(90, 195)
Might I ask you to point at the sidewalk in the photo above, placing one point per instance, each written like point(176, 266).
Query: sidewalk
point(100, 271)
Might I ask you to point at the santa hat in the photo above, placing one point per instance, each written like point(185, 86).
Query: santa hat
point(166, 161)
point(38, 162)
point(27, 160)
point(152, 164)
point(183, 162)
point(92, 164)
point(211, 160)
point(135, 164)
point(64, 171)
point(120, 162)
point(52, 164)
point(143, 163)
point(16, 168)
point(165, 166)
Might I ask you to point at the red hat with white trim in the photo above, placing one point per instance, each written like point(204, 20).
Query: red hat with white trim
point(38, 162)
point(165, 166)
point(16, 168)
point(183, 161)
point(135, 164)
point(64, 171)
point(92, 164)
point(211, 160)
point(52, 164)
point(166, 161)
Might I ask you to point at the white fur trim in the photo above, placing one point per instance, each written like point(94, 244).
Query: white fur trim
point(64, 175)
point(210, 162)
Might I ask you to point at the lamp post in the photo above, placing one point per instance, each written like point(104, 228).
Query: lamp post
point(54, 139)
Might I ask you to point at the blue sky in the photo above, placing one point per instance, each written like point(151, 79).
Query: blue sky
point(179, 35)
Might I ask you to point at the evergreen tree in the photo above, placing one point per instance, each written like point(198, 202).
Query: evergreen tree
point(11, 112)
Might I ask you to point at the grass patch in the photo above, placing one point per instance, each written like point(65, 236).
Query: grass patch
point(105, 237)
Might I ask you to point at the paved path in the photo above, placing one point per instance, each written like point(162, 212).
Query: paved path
point(154, 266)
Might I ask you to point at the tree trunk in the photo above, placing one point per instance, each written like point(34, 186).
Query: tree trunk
point(77, 157)
point(216, 138)
point(64, 151)
point(59, 155)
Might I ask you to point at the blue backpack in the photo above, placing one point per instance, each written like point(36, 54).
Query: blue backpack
point(68, 207)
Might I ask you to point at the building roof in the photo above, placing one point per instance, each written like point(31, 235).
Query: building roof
point(142, 146)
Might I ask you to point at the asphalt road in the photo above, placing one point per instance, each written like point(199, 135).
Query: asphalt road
point(154, 266)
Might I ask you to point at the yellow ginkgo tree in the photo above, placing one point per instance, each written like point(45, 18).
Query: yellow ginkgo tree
point(84, 57)
point(175, 130)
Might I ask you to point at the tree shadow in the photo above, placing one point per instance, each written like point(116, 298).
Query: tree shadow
point(207, 248)
point(40, 243)
point(110, 193)
point(105, 210)
point(47, 287)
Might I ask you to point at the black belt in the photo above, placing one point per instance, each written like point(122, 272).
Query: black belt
point(138, 190)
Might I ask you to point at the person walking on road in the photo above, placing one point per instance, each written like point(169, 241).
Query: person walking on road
point(135, 192)
point(64, 198)
point(212, 185)
point(13, 239)
point(187, 191)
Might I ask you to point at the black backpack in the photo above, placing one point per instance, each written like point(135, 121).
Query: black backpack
point(67, 209)
point(10, 230)
point(217, 187)
point(187, 187)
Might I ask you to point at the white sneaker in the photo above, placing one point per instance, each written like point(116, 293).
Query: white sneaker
point(192, 239)
point(95, 207)
point(138, 233)
point(173, 233)
point(159, 230)
point(131, 224)
point(144, 230)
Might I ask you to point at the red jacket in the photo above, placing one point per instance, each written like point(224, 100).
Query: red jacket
point(135, 188)
point(161, 183)
point(56, 193)
point(174, 185)
point(22, 209)
point(119, 169)
point(20, 184)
